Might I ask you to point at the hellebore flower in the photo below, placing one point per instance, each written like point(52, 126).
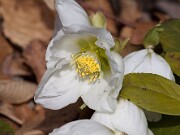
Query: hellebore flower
point(127, 118)
point(80, 63)
point(147, 61)
point(83, 127)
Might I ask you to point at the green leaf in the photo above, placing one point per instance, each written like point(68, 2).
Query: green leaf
point(170, 37)
point(6, 129)
point(173, 58)
point(98, 20)
point(152, 92)
point(152, 37)
point(169, 125)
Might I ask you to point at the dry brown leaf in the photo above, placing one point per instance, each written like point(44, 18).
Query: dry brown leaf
point(161, 16)
point(16, 91)
point(8, 110)
point(34, 132)
point(55, 119)
point(38, 117)
point(25, 111)
point(130, 11)
point(35, 58)
point(14, 65)
point(126, 32)
point(5, 50)
point(50, 4)
point(140, 31)
point(25, 20)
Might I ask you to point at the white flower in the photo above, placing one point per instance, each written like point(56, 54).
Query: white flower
point(80, 64)
point(127, 118)
point(147, 61)
point(82, 127)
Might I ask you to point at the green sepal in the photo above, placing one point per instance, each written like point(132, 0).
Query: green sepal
point(120, 44)
point(98, 20)
point(152, 92)
point(152, 38)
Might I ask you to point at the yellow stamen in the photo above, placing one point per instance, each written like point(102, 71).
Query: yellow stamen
point(87, 66)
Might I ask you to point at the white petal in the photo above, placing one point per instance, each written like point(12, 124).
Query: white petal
point(127, 118)
point(82, 127)
point(99, 97)
point(58, 88)
point(117, 69)
point(105, 39)
point(134, 60)
point(161, 67)
point(70, 12)
point(62, 47)
point(65, 45)
point(145, 62)
point(150, 132)
point(48, 56)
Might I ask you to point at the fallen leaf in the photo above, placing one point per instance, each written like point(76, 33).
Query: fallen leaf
point(25, 111)
point(50, 4)
point(137, 33)
point(126, 32)
point(16, 92)
point(34, 132)
point(35, 57)
point(25, 20)
point(130, 11)
point(161, 16)
point(169, 7)
point(5, 50)
point(140, 32)
point(55, 119)
point(14, 65)
point(7, 110)
point(37, 118)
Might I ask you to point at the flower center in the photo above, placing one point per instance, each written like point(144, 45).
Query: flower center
point(87, 66)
